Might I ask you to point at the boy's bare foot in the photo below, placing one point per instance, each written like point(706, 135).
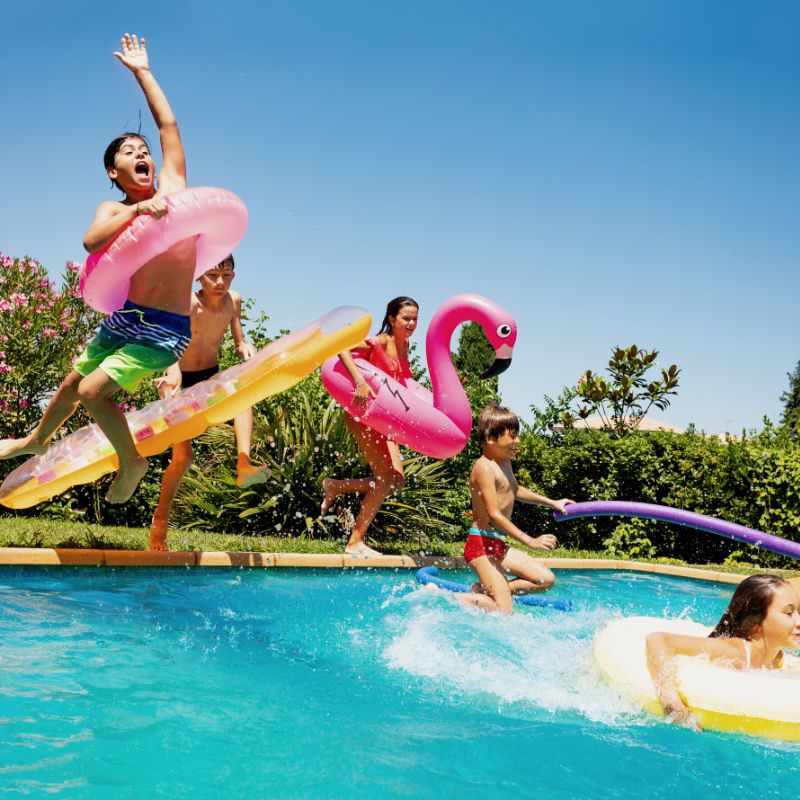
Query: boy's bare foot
point(127, 480)
point(9, 448)
point(248, 475)
point(361, 550)
point(330, 496)
point(158, 535)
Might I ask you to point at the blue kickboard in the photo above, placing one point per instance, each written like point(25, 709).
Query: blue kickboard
point(431, 575)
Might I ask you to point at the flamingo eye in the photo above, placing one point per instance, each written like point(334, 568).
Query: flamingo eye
point(504, 330)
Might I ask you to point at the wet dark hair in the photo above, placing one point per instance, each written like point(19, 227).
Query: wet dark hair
point(227, 263)
point(748, 607)
point(494, 421)
point(114, 147)
point(393, 309)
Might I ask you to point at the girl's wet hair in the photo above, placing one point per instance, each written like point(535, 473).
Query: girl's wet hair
point(393, 309)
point(748, 606)
point(113, 149)
point(494, 421)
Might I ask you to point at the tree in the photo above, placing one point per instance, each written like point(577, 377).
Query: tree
point(473, 357)
point(623, 400)
point(791, 400)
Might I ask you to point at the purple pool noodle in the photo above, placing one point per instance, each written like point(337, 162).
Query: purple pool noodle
point(730, 530)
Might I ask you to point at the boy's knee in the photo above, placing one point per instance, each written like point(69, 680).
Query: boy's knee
point(86, 392)
point(546, 578)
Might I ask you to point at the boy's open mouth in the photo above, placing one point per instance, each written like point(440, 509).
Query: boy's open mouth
point(142, 169)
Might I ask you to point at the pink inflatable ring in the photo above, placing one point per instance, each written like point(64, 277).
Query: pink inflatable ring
point(217, 218)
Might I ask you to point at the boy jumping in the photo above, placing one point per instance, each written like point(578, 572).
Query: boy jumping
point(152, 330)
point(494, 489)
point(214, 308)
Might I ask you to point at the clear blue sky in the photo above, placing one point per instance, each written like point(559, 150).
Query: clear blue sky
point(609, 172)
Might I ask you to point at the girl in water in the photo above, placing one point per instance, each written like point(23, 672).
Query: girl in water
point(389, 352)
point(762, 620)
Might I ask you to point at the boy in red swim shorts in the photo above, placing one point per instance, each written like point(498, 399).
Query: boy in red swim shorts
point(494, 489)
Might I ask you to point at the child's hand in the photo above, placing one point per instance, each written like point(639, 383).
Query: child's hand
point(560, 505)
point(247, 350)
point(165, 386)
point(545, 542)
point(679, 714)
point(363, 393)
point(134, 53)
point(156, 207)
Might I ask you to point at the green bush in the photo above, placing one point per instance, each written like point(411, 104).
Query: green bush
point(754, 482)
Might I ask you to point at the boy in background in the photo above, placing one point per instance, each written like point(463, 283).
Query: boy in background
point(215, 308)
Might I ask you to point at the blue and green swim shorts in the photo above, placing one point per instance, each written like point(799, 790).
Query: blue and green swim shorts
point(134, 343)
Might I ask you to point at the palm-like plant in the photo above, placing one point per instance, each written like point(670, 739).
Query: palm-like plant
point(301, 437)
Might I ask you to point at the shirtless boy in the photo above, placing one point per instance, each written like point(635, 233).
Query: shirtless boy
point(152, 329)
point(494, 490)
point(214, 308)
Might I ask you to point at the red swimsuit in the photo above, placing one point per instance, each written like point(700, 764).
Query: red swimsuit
point(397, 368)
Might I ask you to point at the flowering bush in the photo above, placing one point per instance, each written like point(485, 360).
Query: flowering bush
point(42, 328)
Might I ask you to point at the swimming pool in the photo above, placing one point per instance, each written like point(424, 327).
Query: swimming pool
point(134, 683)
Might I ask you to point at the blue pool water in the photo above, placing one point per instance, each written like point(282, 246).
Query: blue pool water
point(326, 684)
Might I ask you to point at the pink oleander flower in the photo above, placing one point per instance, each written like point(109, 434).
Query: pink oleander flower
point(26, 324)
point(5, 305)
point(2, 355)
point(64, 326)
point(51, 304)
point(4, 368)
point(24, 403)
point(73, 266)
point(19, 299)
point(49, 333)
point(6, 261)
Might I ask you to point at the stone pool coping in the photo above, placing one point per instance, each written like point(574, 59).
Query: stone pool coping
point(26, 556)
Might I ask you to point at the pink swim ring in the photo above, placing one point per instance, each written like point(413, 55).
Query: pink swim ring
point(217, 218)
point(436, 423)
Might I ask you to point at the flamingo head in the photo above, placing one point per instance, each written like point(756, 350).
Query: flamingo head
point(501, 330)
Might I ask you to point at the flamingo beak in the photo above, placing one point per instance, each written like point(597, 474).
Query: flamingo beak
point(497, 366)
point(502, 361)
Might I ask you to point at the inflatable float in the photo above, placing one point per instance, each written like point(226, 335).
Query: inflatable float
point(689, 519)
point(87, 455)
point(435, 423)
point(430, 575)
point(759, 702)
point(217, 218)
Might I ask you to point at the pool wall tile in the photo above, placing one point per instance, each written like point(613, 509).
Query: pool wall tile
point(235, 559)
point(73, 556)
point(150, 558)
point(309, 560)
point(43, 556)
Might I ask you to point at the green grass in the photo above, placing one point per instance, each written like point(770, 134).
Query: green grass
point(44, 532)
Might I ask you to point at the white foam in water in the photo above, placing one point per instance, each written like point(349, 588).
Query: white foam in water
point(540, 659)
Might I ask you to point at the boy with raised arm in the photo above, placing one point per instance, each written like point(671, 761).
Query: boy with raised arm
point(214, 308)
point(152, 330)
point(494, 490)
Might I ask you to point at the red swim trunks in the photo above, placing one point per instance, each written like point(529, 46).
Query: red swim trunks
point(482, 543)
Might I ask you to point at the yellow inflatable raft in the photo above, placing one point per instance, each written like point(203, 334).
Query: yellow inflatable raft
point(87, 455)
point(762, 703)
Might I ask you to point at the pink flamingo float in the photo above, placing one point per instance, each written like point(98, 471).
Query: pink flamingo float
point(436, 423)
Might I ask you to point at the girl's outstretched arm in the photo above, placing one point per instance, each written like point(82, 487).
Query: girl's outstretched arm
point(662, 650)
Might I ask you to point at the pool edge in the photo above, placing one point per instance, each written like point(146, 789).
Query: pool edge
point(27, 556)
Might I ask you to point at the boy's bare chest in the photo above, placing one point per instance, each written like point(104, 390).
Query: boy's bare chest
point(210, 324)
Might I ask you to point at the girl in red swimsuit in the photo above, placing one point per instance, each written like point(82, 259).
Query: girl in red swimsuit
point(389, 352)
